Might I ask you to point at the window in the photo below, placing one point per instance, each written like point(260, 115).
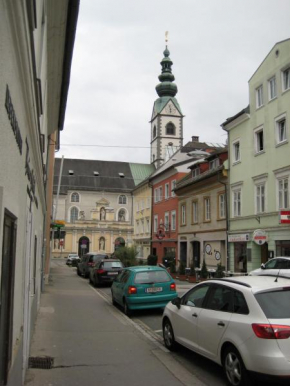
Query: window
point(206, 209)
point(142, 204)
point(155, 195)
point(166, 191)
point(222, 205)
point(148, 202)
point(286, 79)
point(75, 197)
point(122, 215)
point(160, 193)
point(260, 198)
point(147, 225)
point(137, 227)
point(74, 214)
point(170, 129)
point(155, 223)
point(195, 172)
point(280, 123)
point(259, 140)
point(183, 214)
point(259, 96)
point(196, 297)
point(214, 163)
point(137, 206)
point(283, 197)
point(272, 88)
point(173, 186)
point(142, 226)
point(236, 151)
point(173, 220)
point(166, 221)
point(194, 212)
point(154, 131)
point(122, 199)
point(221, 299)
point(237, 202)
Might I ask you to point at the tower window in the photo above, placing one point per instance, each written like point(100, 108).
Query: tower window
point(154, 131)
point(170, 129)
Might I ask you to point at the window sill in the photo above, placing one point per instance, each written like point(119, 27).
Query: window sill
point(282, 143)
point(259, 107)
point(236, 162)
point(259, 153)
point(206, 221)
point(284, 91)
point(273, 99)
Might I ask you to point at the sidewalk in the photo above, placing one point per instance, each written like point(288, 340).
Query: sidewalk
point(93, 343)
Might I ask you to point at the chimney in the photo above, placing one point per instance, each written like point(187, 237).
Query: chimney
point(195, 138)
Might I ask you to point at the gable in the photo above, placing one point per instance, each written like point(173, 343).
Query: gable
point(170, 109)
point(160, 106)
point(102, 202)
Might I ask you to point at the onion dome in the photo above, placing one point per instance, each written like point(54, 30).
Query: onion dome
point(166, 87)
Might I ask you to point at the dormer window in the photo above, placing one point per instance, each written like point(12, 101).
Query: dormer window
point(195, 172)
point(121, 175)
point(170, 129)
point(71, 172)
point(214, 163)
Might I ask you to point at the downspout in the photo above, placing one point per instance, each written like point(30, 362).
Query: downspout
point(227, 217)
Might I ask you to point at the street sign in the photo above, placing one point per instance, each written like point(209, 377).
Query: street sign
point(284, 216)
point(260, 237)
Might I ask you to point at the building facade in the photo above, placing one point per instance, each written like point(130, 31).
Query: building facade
point(36, 50)
point(202, 223)
point(258, 140)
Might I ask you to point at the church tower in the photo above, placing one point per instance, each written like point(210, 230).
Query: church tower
point(167, 118)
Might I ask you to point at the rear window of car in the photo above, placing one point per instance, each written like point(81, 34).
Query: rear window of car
point(151, 277)
point(275, 304)
point(112, 264)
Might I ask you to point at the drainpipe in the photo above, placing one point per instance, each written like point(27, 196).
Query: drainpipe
point(227, 217)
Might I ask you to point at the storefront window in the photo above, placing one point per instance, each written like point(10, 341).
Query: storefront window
point(240, 257)
point(283, 248)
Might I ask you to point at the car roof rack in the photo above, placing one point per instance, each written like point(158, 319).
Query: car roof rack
point(233, 281)
point(275, 275)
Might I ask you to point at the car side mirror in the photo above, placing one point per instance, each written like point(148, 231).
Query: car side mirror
point(176, 302)
point(263, 266)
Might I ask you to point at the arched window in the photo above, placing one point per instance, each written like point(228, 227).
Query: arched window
point(74, 214)
point(154, 131)
point(122, 199)
point(75, 197)
point(122, 215)
point(170, 129)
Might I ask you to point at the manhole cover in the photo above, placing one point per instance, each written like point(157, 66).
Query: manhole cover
point(40, 362)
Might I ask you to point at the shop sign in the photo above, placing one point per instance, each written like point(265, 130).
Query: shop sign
point(260, 237)
point(284, 216)
point(238, 238)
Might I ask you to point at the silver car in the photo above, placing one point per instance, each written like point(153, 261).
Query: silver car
point(275, 266)
point(241, 323)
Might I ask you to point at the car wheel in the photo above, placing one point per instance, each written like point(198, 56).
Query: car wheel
point(126, 309)
point(234, 368)
point(168, 335)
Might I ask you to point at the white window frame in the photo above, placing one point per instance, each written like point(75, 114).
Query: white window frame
point(78, 213)
point(173, 186)
point(195, 172)
point(155, 223)
point(75, 194)
point(173, 220)
point(207, 209)
point(237, 201)
point(282, 174)
point(194, 208)
point(286, 79)
point(283, 200)
point(259, 97)
point(278, 121)
point(156, 194)
point(222, 205)
point(166, 220)
point(147, 225)
point(166, 191)
point(148, 202)
point(215, 163)
point(183, 214)
point(272, 88)
point(142, 226)
point(122, 198)
point(260, 198)
point(235, 144)
point(257, 133)
point(137, 227)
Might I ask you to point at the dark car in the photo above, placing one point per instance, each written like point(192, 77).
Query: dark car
point(105, 271)
point(88, 261)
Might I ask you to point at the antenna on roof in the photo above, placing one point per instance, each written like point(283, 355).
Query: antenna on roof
point(166, 37)
point(277, 276)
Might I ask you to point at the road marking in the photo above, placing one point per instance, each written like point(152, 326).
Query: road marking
point(157, 331)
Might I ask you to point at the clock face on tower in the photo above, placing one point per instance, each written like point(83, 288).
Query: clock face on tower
point(170, 109)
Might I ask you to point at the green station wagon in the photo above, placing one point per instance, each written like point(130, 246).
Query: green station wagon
point(142, 287)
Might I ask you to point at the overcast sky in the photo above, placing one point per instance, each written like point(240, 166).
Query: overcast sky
point(215, 46)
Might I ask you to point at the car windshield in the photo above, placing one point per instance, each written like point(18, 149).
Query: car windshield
point(275, 304)
point(151, 277)
point(113, 264)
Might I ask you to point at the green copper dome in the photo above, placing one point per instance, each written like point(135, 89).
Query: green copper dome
point(166, 87)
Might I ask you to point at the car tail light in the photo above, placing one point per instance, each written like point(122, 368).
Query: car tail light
point(172, 287)
point(132, 290)
point(271, 331)
point(100, 271)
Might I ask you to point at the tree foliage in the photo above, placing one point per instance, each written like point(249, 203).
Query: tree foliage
point(127, 255)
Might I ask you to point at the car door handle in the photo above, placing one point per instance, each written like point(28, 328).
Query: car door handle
point(221, 324)
point(195, 315)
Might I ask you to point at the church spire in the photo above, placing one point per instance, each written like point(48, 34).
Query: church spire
point(166, 87)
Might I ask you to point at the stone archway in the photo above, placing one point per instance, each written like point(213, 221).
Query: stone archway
point(84, 246)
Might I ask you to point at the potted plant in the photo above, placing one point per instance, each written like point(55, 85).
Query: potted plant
point(204, 271)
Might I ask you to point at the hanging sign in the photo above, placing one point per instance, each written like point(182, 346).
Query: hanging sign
point(260, 237)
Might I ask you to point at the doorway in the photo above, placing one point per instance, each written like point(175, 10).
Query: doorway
point(183, 252)
point(264, 253)
point(84, 246)
point(7, 295)
point(196, 253)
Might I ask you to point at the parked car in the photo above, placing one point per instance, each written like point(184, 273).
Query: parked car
point(143, 287)
point(275, 266)
point(89, 260)
point(105, 271)
point(72, 259)
point(241, 323)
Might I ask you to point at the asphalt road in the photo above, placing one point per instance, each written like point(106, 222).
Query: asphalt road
point(151, 322)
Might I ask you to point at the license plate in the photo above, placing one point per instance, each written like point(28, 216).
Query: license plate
point(113, 273)
point(153, 289)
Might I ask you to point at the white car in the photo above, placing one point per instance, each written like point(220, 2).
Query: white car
point(276, 266)
point(241, 323)
point(72, 259)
